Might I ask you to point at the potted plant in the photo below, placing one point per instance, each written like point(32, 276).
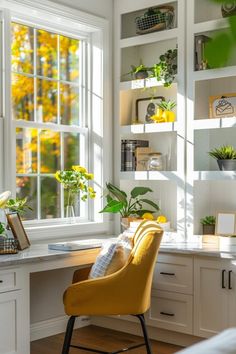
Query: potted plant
point(139, 72)
point(2, 231)
point(164, 112)
point(133, 206)
point(208, 225)
point(166, 69)
point(225, 156)
point(75, 181)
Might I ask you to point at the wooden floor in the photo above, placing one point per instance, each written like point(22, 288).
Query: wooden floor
point(99, 338)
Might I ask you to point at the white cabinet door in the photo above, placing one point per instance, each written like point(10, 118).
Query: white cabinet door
point(11, 323)
point(210, 296)
point(231, 285)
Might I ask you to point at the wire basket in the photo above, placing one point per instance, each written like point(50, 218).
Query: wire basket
point(8, 246)
point(155, 22)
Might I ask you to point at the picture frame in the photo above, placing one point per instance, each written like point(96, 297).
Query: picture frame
point(225, 224)
point(222, 106)
point(18, 230)
point(145, 108)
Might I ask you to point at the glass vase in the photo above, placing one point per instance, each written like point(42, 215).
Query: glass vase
point(70, 215)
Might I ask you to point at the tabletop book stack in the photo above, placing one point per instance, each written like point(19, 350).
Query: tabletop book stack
point(128, 153)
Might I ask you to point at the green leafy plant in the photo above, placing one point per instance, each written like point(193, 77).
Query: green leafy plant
point(17, 205)
point(75, 181)
point(166, 69)
point(167, 105)
point(225, 152)
point(134, 205)
point(139, 70)
point(208, 220)
point(2, 230)
point(219, 50)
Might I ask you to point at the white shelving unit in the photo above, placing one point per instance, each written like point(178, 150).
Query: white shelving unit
point(208, 190)
point(169, 138)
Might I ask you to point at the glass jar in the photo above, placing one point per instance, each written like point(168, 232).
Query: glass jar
point(155, 162)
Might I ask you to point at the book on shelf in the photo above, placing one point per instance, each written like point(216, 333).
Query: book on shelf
point(200, 47)
point(142, 157)
point(128, 153)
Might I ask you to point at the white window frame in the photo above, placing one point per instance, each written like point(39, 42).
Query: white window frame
point(76, 24)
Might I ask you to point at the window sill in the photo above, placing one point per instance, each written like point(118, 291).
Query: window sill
point(64, 232)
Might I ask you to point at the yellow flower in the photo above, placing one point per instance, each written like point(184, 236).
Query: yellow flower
point(161, 219)
point(81, 186)
point(90, 189)
point(79, 168)
point(89, 176)
point(148, 216)
point(57, 176)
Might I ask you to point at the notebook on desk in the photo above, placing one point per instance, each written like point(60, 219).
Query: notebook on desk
point(76, 245)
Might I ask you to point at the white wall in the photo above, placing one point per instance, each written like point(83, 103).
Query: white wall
point(47, 287)
point(103, 8)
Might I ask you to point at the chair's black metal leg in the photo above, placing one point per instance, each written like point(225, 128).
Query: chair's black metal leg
point(68, 335)
point(145, 334)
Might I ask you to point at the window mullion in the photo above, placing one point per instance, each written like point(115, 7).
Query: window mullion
point(9, 130)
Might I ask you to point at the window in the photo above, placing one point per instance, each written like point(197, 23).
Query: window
point(46, 72)
point(55, 99)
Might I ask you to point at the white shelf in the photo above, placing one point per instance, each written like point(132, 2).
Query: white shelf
point(216, 123)
point(149, 38)
point(210, 25)
point(210, 74)
point(149, 175)
point(148, 128)
point(141, 84)
point(214, 175)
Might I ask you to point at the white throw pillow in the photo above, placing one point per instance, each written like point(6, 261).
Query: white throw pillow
point(113, 256)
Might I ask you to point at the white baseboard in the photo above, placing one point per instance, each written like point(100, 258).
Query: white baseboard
point(54, 326)
point(129, 326)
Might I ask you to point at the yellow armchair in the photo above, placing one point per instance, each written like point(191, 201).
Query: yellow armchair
point(124, 292)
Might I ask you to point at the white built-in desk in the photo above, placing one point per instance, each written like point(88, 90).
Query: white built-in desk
point(15, 273)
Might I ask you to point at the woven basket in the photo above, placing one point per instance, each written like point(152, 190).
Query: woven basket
point(8, 246)
point(155, 22)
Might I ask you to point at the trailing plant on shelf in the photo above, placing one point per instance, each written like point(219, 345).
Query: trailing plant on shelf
point(225, 156)
point(118, 202)
point(208, 224)
point(164, 112)
point(166, 69)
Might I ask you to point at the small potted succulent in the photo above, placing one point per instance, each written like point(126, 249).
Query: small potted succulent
point(164, 112)
point(208, 225)
point(225, 156)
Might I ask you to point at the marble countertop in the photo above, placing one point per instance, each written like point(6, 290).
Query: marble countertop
point(40, 252)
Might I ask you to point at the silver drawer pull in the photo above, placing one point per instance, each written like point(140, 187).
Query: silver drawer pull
point(165, 273)
point(167, 314)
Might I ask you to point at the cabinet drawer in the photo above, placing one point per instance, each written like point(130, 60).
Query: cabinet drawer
point(171, 311)
point(174, 273)
point(8, 280)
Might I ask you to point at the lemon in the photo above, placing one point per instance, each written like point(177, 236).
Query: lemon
point(161, 219)
point(148, 216)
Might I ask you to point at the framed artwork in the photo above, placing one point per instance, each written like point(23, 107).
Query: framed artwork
point(145, 108)
point(222, 106)
point(226, 224)
point(18, 230)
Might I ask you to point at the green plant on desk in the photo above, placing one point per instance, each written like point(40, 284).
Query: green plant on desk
point(208, 220)
point(18, 205)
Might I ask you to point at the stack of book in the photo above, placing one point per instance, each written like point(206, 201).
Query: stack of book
point(128, 153)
